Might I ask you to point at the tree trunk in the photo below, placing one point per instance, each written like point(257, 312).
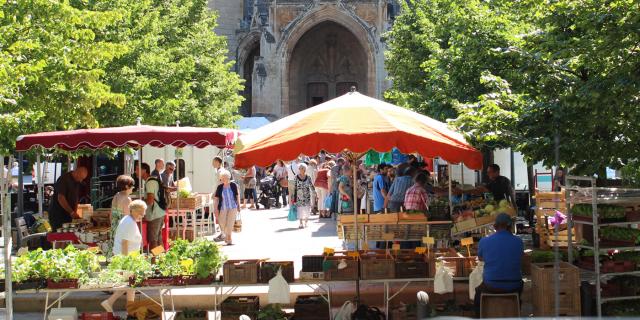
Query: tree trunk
point(487, 159)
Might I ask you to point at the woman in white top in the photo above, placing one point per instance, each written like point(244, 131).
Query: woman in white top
point(119, 206)
point(128, 239)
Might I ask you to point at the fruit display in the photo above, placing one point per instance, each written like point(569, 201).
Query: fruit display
point(621, 234)
point(605, 211)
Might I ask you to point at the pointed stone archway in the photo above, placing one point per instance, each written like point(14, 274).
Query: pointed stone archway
point(326, 61)
point(323, 55)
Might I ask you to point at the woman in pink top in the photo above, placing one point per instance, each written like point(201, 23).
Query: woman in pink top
point(322, 189)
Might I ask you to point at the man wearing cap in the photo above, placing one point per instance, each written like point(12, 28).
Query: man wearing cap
point(502, 253)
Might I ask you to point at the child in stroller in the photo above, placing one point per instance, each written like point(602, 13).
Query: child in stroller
point(269, 192)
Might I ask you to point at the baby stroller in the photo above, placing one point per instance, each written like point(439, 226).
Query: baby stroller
point(269, 193)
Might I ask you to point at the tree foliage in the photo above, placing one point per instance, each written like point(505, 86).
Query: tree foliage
point(67, 64)
point(565, 68)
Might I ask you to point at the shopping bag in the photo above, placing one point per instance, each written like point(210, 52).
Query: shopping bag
point(345, 312)
point(475, 279)
point(279, 289)
point(237, 225)
point(293, 213)
point(443, 281)
point(327, 201)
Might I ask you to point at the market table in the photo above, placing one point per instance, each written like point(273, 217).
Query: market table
point(181, 219)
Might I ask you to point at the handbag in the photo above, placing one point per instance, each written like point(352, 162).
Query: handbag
point(293, 213)
point(328, 200)
point(237, 225)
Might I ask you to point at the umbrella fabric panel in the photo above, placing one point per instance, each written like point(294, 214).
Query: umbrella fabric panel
point(128, 136)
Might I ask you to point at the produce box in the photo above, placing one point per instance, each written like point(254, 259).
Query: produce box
point(617, 266)
point(311, 276)
point(332, 271)
point(269, 269)
point(241, 271)
point(192, 202)
point(233, 307)
point(383, 218)
point(377, 266)
point(411, 265)
point(405, 216)
point(551, 196)
point(350, 218)
point(485, 220)
point(98, 316)
point(465, 225)
point(311, 307)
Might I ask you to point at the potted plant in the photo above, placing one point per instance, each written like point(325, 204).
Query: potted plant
point(136, 267)
point(190, 314)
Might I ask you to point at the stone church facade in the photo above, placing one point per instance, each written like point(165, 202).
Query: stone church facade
point(294, 54)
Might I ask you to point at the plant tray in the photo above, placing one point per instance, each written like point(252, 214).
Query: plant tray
point(404, 216)
point(633, 216)
point(383, 218)
point(617, 243)
point(157, 281)
point(269, 269)
point(311, 308)
point(195, 281)
point(617, 266)
point(29, 285)
point(193, 315)
point(600, 220)
point(62, 284)
point(233, 307)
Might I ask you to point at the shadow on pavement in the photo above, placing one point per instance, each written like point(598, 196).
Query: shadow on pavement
point(287, 229)
point(328, 229)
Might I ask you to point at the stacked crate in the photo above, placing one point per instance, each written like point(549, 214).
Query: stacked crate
point(542, 279)
point(546, 205)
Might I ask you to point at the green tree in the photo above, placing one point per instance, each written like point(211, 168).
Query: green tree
point(176, 67)
point(51, 67)
point(582, 84)
point(440, 48)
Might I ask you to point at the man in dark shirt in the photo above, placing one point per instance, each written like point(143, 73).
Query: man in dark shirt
point(158, 169)
point(502, 255)
point(499, 186)
point(65, 197)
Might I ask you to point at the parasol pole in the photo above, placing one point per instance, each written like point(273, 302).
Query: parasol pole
point(354, 158)
point(40, 183)
point(6, 233)
point(450, 191)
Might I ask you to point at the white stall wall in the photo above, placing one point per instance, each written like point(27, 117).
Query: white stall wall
point(197, 161)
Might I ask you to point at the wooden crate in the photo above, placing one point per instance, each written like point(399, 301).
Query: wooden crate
point(233, 307)
point(377, 266)
point(411, 265)
point(542, 279)
point(241, 271)
point(559, 205)
point(551, 196)
point(269, 269)
point(333, 273)
point(350, 218)
point(465, 225)
point(404, 216)
point(311, 307)
point(186, 203)
point(485, 220)
point(383, 218)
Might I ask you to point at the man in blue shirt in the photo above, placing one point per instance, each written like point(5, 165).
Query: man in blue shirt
point(380, 188)
point(502, 255)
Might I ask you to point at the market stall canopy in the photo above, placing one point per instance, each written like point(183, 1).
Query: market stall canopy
point(129, 136)
point(357, 123)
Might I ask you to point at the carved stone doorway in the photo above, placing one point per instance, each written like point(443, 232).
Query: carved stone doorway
point(325, 63)
point(247, 75)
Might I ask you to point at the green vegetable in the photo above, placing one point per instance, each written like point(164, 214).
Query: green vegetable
point(540, 256)
point(272, 312)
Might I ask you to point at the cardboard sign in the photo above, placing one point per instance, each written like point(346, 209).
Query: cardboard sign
point(329, 251)
point(428, 240)
point(421, 250)
point(467, 241)
point(388, 236)
point(353, 254)
point(157, 250)
point(395, 247)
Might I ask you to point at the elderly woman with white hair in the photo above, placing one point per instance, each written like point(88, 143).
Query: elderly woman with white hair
point(303, 192)
point(226, 204)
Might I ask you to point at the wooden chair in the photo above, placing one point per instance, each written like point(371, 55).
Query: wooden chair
point(499, 305)
point(24, 237)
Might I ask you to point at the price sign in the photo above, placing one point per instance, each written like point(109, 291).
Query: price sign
point(421, 250)
point(467, 241)
point(157, 250)
point(428, 240)
point(329, 251)
point(395, 247)
point(388, 236)
point(353, 254)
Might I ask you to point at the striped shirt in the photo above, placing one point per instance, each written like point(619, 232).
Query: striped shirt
point(228, 202)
